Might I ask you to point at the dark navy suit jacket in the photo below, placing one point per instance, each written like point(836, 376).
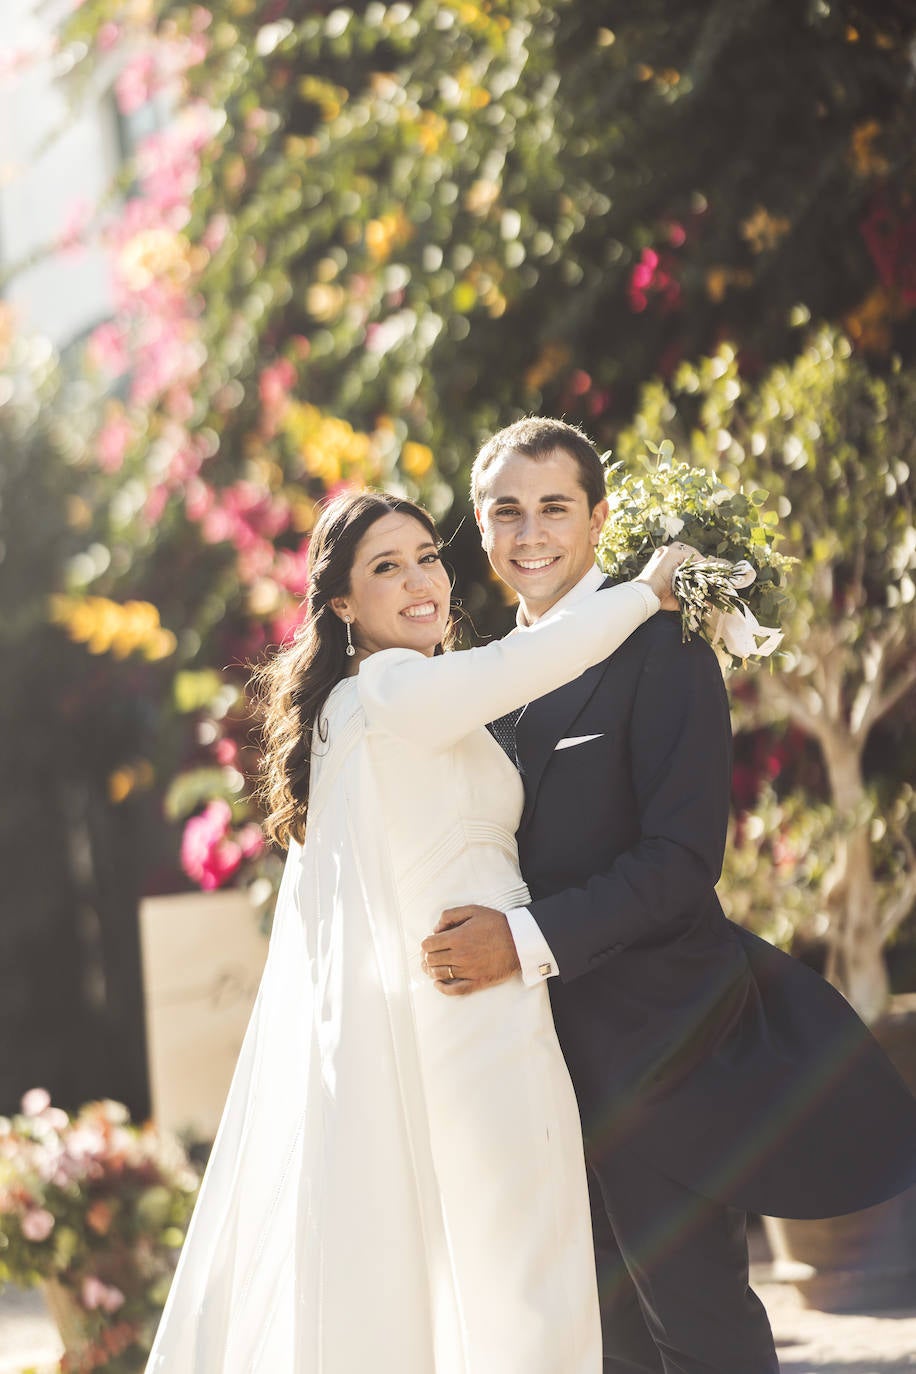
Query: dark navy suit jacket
point(731, 1066)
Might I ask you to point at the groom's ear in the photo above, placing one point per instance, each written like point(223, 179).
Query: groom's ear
point(478, 520)
point(597, 522)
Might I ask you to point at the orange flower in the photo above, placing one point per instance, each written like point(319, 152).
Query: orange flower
point(763, 231)
point(100, 1216)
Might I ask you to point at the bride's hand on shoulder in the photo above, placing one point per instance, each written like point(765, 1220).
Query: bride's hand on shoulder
point(661, 568)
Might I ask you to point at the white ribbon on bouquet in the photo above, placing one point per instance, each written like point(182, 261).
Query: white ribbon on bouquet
point(739, 630)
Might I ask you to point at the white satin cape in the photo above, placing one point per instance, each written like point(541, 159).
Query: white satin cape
point(263, 1286)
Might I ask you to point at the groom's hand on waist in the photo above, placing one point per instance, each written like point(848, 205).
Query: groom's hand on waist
point(471, 948)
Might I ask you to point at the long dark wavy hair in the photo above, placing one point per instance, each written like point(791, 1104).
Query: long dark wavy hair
point(293, 685)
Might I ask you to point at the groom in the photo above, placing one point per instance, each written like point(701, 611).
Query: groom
point(715, 1075)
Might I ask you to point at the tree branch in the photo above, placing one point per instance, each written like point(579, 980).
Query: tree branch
point(797, 706)
point(874, 655)
point(900, 906)
point(894, 694)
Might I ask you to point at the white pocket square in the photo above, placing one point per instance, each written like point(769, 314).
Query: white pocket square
point(574, 739)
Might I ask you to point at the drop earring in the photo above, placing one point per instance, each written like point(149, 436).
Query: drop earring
point(350, 649)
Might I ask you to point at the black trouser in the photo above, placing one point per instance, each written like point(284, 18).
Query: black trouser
point(673, 1278)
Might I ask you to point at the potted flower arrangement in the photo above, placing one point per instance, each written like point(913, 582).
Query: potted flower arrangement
point(94, 1210)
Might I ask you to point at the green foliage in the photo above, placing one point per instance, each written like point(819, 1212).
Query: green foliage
point(834, 444)
point(783, 861)
point(192, 789)
point(833, 441)
point(778, 867)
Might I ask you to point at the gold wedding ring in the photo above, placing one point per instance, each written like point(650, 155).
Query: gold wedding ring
point(451, 976)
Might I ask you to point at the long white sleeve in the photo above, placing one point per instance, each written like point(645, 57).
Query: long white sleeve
point(437, 701)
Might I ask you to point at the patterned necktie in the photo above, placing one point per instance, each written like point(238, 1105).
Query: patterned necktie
point(503, 731)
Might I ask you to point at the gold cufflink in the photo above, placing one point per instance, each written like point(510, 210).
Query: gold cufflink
point(545, 970)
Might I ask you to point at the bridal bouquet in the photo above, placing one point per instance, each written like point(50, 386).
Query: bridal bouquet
point(733, 594)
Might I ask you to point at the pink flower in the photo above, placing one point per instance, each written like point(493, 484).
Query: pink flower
point(198, 500)
point(136, 83)
point(113, 441)
point(85, 1147)
point(108, 348)
point(37, 1224)
point(291, 569)
point(35, 1101)
point(95, 1294)
point(286, 624)
point(890, 236)
point(208, 855)
point(275, 383)
point(76, 222)
point(155, 503)
point(226, 751)
point(599, 401)
point(107, 36)
point(654, 275)
point(251, 841)
point(214, 236)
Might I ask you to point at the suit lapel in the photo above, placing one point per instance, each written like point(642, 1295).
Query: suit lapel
point(543, 723)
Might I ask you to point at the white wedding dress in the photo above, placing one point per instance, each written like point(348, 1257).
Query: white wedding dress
point(398, 1183)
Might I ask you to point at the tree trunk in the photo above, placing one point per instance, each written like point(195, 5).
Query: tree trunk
point(855, 961)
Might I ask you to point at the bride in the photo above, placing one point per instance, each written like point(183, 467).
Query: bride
point(397, 1185)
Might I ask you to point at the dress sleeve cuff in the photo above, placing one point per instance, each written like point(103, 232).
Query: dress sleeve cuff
point(534, 953)
point(650, 600)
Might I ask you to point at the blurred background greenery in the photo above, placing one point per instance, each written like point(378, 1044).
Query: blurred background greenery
point(363, 239)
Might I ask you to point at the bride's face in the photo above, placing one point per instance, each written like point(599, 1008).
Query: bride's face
point(399, 593)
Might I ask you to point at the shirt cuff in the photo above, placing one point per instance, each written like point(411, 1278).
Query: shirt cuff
point(650, 600)
point(534, 953)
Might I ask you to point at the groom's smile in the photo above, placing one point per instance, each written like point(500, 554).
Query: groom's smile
point(534, 565)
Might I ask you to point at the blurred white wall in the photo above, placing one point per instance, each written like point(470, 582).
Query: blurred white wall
point(42, 187)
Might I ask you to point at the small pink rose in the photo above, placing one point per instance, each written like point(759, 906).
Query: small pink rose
point(250, 841)
point(95, 1294)
point(37, 1224)
point(35, 1101)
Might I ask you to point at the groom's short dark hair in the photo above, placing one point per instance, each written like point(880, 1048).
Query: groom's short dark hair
point(537, 436)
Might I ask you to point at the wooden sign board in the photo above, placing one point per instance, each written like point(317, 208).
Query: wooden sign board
point(203, 955)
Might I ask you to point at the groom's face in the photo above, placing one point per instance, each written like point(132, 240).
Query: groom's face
point(537, 526)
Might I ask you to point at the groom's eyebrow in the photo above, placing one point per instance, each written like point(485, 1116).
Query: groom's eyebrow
point(543, 500)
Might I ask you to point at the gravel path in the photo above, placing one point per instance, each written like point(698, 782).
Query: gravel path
point(809, 1342)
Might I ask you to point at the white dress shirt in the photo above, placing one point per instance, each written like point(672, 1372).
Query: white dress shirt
point(534, 953)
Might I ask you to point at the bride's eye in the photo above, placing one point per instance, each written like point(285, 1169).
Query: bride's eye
point(383, 567)
point(431, 558)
